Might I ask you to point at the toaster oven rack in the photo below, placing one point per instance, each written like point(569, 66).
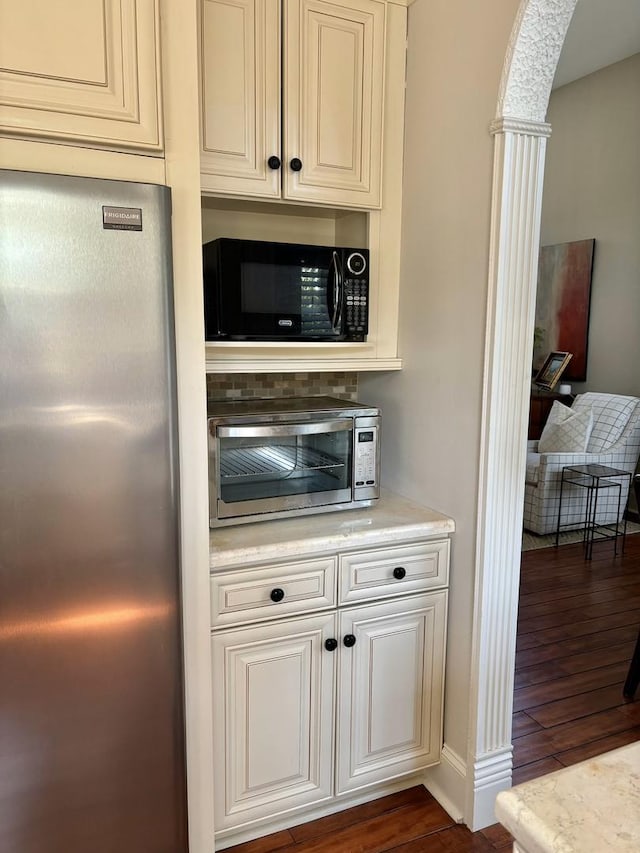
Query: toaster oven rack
point(270, 460)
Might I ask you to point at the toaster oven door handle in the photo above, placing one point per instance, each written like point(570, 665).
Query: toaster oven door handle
point(268, 430)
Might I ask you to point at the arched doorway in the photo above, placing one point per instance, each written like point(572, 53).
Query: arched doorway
point(520, 134)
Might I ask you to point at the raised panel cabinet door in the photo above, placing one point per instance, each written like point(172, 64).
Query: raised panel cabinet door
point(240, 96)
point(334, 60)
point(273, 700)
point(81, 71)
point(390, 689)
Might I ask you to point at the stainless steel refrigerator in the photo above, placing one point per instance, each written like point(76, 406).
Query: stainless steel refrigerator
point(91, 693)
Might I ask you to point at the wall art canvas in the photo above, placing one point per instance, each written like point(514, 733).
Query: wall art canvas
point(562, 306)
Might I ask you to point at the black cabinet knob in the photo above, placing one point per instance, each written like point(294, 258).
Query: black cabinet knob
point(349, 640)
point(331, 645)
point(273, 162)
point(296, 164)
point(277, 594)
point(399, 573)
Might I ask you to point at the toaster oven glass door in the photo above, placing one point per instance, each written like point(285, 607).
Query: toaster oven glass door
point(271, 467)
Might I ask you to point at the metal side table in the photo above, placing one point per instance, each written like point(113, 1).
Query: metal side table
point(595, 478)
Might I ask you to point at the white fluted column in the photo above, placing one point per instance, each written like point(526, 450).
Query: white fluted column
point(515, 234)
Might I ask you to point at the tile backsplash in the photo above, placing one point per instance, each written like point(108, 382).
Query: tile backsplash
point(240, 386)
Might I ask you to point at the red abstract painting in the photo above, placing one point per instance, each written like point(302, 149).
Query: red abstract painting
point(562, 306)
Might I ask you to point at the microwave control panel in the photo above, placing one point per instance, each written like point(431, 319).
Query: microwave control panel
point(366, 457)
point(356, 297)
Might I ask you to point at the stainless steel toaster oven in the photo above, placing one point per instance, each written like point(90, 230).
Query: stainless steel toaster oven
point(284, 457)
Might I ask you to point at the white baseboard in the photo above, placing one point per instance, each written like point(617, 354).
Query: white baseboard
point(447, 782)
point(492, 774)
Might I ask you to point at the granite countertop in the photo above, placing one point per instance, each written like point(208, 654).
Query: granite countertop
point(392, 519)
point(591, 807)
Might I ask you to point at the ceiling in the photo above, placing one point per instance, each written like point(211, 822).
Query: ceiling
point(601, 32)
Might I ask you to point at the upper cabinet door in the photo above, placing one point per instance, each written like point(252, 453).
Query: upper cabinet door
point(240, 96)
point(333, 90)
point(81, 71)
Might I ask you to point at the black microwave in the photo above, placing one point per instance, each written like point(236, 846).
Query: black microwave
point(263, 291)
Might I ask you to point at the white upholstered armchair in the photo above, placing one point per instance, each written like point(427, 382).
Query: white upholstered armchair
point(614, 440)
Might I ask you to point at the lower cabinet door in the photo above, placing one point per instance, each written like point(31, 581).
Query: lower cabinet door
point(390, 689)
point(273, 701)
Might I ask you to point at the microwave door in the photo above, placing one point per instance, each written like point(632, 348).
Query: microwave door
point(258, 286)
point(266, 468)
point(269, 296)
point(320, 294)
point(277, 292)
point(273, 291)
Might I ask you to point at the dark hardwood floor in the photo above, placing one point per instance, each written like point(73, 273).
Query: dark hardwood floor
point(410, 821)
point(577, 626)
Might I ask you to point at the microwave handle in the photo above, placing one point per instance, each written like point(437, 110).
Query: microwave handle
point(337, 292)
point(267, 430)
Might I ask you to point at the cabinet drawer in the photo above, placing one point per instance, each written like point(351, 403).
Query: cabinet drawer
point(384, 572)
point(251, 594)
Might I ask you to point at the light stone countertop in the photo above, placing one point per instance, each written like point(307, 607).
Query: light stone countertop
point(393, 519)
point(591, 807)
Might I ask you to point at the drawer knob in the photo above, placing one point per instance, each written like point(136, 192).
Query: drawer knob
point(277, 594)
point(273, 162)
point(331, 644)
point(399, 572)
point(349, 640)
point(296, 164)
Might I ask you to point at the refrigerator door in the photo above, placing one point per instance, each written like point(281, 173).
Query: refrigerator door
point(91, 698)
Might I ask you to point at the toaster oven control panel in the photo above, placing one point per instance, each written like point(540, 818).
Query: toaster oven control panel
point(365, 469)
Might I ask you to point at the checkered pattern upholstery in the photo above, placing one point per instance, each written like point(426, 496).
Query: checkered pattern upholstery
point(611, 414)
point(614, 441)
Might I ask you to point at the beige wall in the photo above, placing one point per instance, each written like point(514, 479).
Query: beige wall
point(592, 189)
point(432, 409)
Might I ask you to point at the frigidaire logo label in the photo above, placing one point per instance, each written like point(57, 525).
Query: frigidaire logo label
point(285, 322)
point(122, 218)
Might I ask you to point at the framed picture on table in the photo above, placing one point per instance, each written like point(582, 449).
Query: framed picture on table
point(552, 369)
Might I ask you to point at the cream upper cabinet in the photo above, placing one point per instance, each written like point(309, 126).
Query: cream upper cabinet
point(240, 96)
point(81, 71)
point(332, 92)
